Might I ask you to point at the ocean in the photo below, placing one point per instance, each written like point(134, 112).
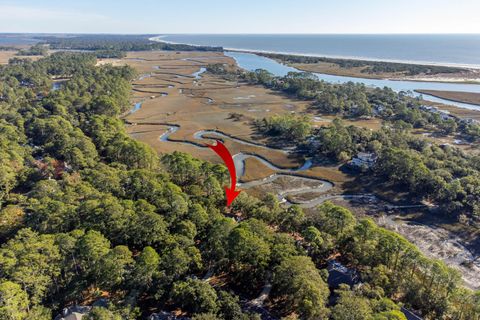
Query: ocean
point(16, 39)
point(456, 49)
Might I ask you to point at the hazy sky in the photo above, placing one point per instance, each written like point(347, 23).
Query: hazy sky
point(240, 16)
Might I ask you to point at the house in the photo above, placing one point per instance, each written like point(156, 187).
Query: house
point(363, 160)
point(339, 274)
point(469, 121)
point(73, 313)
point(378, 109)
point(409, 314)
point(444, 115)
point(164, 315)
point(78, 312)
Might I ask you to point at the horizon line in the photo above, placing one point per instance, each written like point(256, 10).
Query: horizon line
point(246, 34)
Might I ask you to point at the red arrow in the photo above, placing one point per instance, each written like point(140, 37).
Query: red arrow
point(223, 152)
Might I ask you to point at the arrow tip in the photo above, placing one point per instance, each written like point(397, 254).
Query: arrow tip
point(231, 195)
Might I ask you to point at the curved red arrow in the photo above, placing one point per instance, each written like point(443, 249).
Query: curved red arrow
point(223, 152)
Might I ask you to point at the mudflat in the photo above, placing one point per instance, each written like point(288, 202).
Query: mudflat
point(458, 96)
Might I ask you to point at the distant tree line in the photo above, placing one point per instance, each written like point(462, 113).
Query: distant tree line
point(8, 48)
point(117, 43)
point(35, 50)
point(371, 67)
point(110, 53)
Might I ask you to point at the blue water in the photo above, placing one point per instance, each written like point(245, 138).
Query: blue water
point(198, 74)
point(136, 107)
point(16, 39)
point(252, 62)
point(442, 49)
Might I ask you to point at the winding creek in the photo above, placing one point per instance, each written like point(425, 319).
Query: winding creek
point(239, 159)
point(198, 74)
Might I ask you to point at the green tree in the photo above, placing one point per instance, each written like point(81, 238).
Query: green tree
point(194, 296)
point(318, 244)
point(292, 218)
point(217, 236)
point(335, 140)
point(92, 247)
point(349, 306)
point(39, 312)
point(99, 313)
point(297, 281)
point(115, 267)
point(177, 262)
point(283, 247)
point(13, 301)
point(334, 220)
point(248, 254)
point(33, 261)
point(228, 306)
point(146, 268)
point(11, 219)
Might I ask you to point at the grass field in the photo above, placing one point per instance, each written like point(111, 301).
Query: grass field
point(7, 55)
point(334, 69)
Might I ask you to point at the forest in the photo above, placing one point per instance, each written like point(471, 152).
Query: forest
point(87, 212)
point(7, 48)
point(117, 43)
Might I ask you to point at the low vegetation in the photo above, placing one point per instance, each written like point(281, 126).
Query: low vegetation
point(465, 97)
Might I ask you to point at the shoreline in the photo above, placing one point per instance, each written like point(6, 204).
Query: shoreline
point(446, 95)
point(373, 76)
point(316, 55)
point(376, 77)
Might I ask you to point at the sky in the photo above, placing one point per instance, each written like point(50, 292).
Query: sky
point(240, 16)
